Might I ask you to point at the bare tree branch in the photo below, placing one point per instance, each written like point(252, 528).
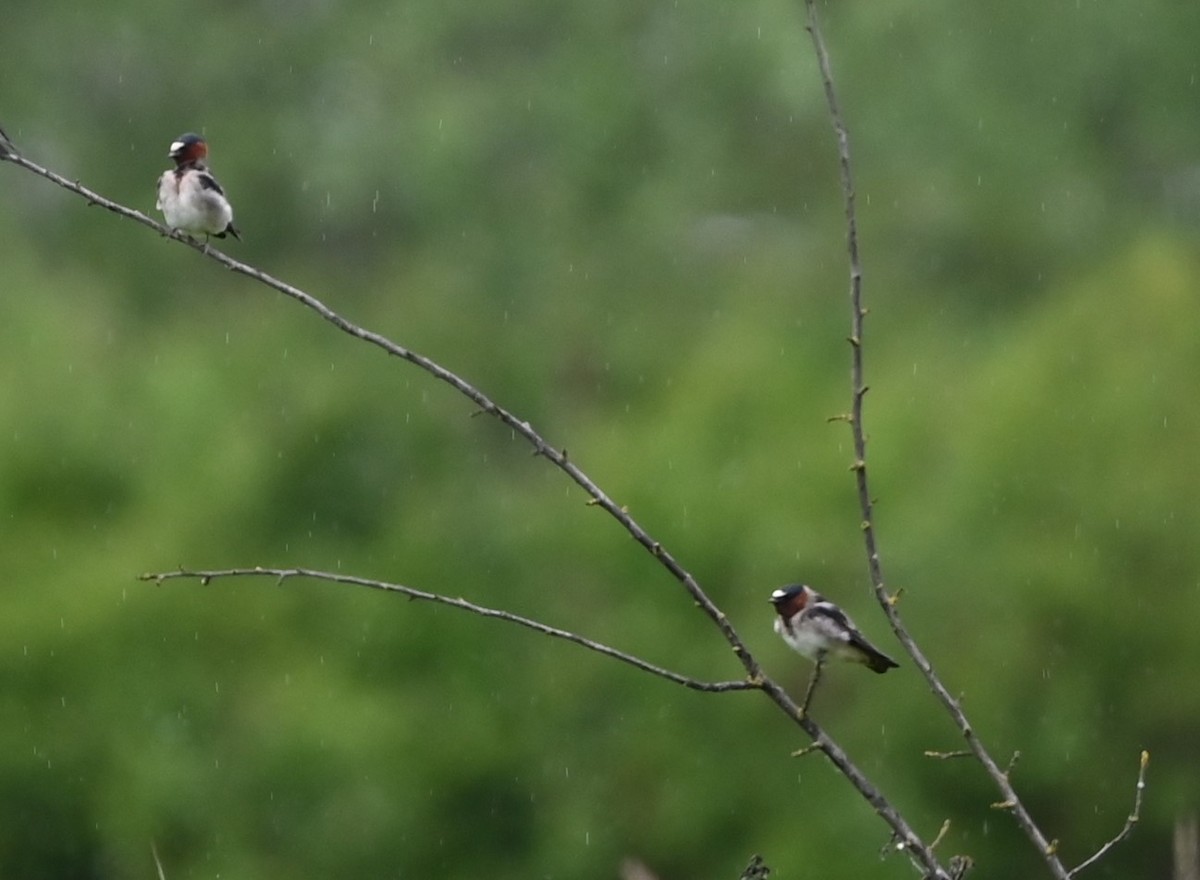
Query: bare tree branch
point(282, 574)
point(907, 840)
point(857, 380)
point(1010, 800)
point(94, 198)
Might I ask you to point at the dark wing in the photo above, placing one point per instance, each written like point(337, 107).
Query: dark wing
point(207, 181)
point(834, 622)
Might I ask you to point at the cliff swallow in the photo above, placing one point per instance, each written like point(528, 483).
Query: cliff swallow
point(818, 629)
point(189, 196)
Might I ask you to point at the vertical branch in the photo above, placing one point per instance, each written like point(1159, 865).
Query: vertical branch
point(858, 310)
point(1010, 801)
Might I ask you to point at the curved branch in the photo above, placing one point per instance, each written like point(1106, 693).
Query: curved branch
point(282, 574)
point(908, 839)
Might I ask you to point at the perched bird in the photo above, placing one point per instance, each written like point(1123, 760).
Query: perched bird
point(816, 628)
point(189, 196)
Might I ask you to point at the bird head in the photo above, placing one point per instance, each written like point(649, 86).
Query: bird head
point(188, 148)
point(791, 599)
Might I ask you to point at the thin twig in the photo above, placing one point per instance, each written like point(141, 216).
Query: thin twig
point(1132, 820)
point(941, 835)
point(282, 574)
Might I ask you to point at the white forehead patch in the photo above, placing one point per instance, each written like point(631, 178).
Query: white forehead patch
point(778, 594)
point(176, 146)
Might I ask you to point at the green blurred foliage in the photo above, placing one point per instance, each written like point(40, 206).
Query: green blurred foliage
point(622, 220)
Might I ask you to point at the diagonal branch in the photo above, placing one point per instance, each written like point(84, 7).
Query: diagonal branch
point(282, 574)
point(8, 154)
point(540, 446)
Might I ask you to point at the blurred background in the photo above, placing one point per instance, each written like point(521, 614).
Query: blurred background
point(621, 220)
